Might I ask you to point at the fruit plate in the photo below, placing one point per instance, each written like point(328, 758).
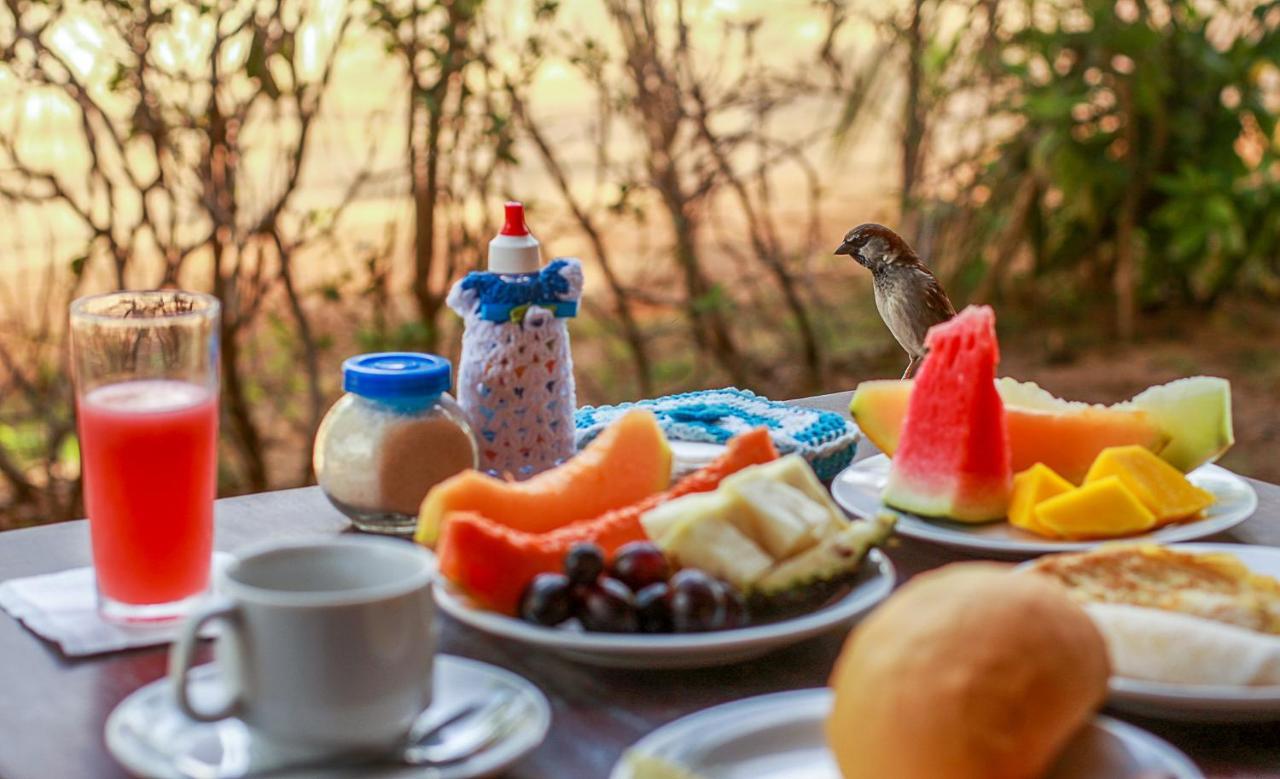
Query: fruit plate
point(685, 650)
point(858, 488)
point(780, 736)
point(1206, 703)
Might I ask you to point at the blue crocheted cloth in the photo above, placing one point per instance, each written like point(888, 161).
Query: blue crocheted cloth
point(824, 438)
point(506, 297)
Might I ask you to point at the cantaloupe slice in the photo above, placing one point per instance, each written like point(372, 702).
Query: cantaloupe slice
point(629, 461)
point(1062, 434)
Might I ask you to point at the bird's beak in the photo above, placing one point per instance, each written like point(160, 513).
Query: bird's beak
point(844, 248)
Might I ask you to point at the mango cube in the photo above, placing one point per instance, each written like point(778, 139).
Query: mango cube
point(1030, 488)
point(1103, 508)
point(1158, 485)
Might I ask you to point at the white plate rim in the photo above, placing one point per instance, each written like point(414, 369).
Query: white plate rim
point(530, 735)
point(952, 534)
point(801, 702)
point(860, 599)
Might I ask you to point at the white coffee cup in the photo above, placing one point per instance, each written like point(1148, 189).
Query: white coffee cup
point(326, 643)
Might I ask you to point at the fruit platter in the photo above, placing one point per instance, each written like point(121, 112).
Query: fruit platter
point(1003, 468)
point(608, 560)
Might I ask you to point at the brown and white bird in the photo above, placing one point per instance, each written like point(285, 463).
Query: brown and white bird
point(909, 298)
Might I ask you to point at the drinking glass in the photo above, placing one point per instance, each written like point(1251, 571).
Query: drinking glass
point(146, 377)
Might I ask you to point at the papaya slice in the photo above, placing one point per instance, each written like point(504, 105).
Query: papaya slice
point(493, 562)
point(629, 460)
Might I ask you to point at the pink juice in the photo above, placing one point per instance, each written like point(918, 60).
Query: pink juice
point(149, 455)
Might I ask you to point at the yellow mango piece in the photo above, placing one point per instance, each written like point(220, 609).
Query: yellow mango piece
point(1103, 508)
point(1031, 487)
point(1161, 487)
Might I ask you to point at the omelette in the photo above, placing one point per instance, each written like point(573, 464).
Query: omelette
point(1210, 586)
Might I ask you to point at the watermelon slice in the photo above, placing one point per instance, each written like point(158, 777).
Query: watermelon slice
point(953, 456)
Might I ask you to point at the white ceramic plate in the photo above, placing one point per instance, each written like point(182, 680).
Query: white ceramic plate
point(858, 488)
point(151, 738)
point(686, 650)
point(780, 737)
point(689, 456)
point(1206, 703)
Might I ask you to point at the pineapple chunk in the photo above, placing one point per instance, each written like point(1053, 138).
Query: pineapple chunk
point(793, 471)
point(712, 543)
point(780, 518)
point(838, 555)
point(659, 521)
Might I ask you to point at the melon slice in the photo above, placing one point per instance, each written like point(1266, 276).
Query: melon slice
point(630, 460)
point(1196, 413)
point(1064, 435)
point(493, 562)
point(952, 459)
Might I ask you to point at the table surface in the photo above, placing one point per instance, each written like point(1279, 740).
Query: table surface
point(52, 708)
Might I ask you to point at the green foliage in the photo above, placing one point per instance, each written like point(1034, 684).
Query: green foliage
point(1152, 113)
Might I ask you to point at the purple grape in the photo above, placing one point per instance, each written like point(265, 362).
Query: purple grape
point(547, 600)
point(608, 608)
point(734, 613)
point(697, 602)
point(584, 563)
point(640, 564)
point(653, 607)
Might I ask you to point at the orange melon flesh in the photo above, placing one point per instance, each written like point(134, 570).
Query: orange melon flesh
point(1063, 435)
point(628, 461)
point(493, 562)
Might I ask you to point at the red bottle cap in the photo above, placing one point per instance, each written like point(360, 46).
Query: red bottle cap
point(515, 219)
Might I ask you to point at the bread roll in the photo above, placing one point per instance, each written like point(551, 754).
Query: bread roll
point(969, 672)
point(1164, 646)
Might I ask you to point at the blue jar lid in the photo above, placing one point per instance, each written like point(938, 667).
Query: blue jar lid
point(396, 375)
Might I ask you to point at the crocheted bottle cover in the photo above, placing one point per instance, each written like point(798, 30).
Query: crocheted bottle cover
point(824, 438)
point(515, 376)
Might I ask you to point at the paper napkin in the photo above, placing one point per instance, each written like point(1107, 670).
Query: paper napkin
point(62, 607)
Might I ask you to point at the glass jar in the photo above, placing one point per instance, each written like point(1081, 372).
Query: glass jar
point(394, 435)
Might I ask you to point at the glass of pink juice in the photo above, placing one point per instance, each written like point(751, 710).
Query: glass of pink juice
point(146, 373)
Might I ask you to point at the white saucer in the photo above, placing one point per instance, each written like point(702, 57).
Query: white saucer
point(151, 738)
point(683, 650)
point(780, 736)
point(858, 489)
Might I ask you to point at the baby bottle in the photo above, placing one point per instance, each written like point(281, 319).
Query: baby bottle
point(515, 377)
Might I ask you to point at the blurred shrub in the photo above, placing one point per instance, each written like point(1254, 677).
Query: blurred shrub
point(1143, 159)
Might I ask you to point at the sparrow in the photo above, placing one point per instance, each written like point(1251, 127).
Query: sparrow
point(909, 298)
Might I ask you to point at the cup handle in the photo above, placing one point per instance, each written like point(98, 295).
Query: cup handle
point(183, 650)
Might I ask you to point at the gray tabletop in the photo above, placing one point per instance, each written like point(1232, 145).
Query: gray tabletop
point(52, 708)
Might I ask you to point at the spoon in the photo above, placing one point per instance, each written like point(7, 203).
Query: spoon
point(436, 740)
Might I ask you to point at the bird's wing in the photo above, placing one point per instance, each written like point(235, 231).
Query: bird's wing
point(936, 300)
